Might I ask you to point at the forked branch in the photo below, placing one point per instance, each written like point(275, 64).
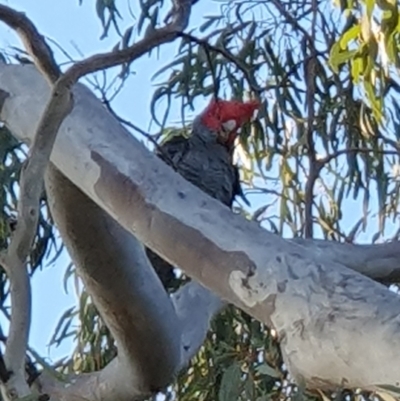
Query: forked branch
point(58, 107)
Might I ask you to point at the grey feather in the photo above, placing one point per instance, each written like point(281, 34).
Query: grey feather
point(207, 164)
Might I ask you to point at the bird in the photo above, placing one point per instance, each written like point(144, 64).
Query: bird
point(205, 158)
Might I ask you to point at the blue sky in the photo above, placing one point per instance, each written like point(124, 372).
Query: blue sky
point(77, 30)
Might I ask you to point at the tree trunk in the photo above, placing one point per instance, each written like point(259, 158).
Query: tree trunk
point(336, 327)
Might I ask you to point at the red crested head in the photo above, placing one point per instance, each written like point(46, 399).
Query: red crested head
point(226, 117)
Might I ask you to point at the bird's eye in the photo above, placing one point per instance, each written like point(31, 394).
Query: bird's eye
point(229, 126)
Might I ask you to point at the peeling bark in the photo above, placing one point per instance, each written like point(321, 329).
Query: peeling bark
point(336, 326)
point(156, 335)
point(123, 286)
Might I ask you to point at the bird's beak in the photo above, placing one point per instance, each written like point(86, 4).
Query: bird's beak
point(228, 133)
point(229, 126)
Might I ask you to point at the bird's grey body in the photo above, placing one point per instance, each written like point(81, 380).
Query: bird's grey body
point(207, 164)
point(205, 159)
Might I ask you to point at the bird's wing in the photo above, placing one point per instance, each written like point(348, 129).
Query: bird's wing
point(204, 165)
point(173, 150)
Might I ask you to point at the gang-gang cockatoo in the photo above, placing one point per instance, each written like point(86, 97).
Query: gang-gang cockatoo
point(205, 157)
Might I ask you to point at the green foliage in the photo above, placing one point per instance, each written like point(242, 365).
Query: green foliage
point(350, 151)
point(12, 155)
point(327, 138)
point(238, 361)
point(108, 13)
point(95, 347)
point(369, 45)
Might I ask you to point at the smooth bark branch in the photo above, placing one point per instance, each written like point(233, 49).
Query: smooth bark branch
point(179, 20)
point(31, 183)
point(122, 284)
point(14, 259)
point(195, 306)
point(33, 41)
point(155, 337)
point(380, 262)
point(335, 325)
point(58, 107)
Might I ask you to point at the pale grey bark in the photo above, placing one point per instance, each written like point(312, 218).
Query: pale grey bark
point(145, 373)
point(380, 262)
point(156, 336)
point(195, 307)
point(123, 286)
point(336, 326)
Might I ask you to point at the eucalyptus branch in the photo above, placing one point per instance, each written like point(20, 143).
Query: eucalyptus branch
point(292, 20)
point(229, 56)
point(152, 39)
point(123, 121)
point(127, 170)
point(14, 259)
point(310, 72)
point(31, 185)
point(140, 131)
point(58, 107)
point(33, 41)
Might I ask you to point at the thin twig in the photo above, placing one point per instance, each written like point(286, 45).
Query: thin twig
point(14, 259)
point(310, 74)
point(146, 135)
point(33, 41)
point(389, 141)
point(242, 67)
point(310, 71)
point(207, 50)
point(58, 107)
point(149, 137)
point(292, 20)
point(206, 45)
point(153, 39)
